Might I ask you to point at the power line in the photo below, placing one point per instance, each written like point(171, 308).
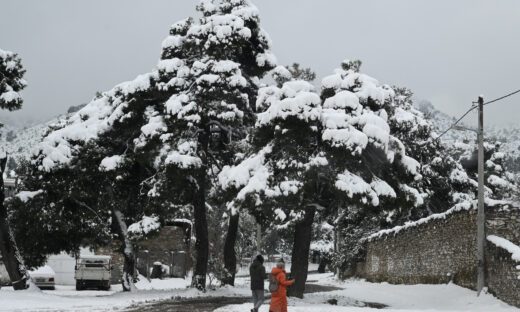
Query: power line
point(456, 122)
point(502, 97)
point(473, 107)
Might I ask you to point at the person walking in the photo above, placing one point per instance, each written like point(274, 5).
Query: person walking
point(257, 273)
point(279, 297)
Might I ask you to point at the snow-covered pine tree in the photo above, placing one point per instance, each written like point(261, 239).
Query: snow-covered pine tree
point(177, 124)
point(420, 139)
point(499, 183)
point(95, 162)
point(281, 180)
point(216, 65)
point(374, 176)
point(57, 216)
point(11, 82)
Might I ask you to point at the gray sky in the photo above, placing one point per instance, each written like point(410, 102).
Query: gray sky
point(446, 51)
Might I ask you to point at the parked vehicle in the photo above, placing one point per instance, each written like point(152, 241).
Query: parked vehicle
point(43, 277)
point(93, 272)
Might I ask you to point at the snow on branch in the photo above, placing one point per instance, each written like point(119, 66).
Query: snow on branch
point(58, 146)
point(111, 163)
point(353, 185)
point(295, 99)
point(144, 227)
point(251, 174)
point(25, 196)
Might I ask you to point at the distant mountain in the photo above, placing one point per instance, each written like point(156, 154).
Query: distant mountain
point(18, 140)
point(507, 135)
point(19, 136)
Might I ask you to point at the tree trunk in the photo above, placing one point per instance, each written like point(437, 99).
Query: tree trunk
point(11, 256)
point(230, 257)
point(201, 234)
point(128, 252)
point(300, 253)
point(324, 261)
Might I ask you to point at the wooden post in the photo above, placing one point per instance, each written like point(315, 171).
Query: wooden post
point(481, 219)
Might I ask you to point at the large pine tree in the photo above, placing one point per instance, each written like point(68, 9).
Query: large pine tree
point(216, 65)
point(11, 82)
point(164, 136)
point(335, 158)
point(281, 181)
point(375, 176)
point(420, 138)
point(91, 164)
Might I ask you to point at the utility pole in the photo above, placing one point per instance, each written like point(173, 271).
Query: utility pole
point(481, 219)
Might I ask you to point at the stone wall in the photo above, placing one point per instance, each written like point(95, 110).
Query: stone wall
point(503, 274)
point(170, 247)
point(443, 248)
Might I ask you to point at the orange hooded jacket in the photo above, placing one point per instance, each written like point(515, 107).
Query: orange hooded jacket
point(279, 297)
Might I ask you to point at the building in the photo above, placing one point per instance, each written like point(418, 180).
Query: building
point(171, 247)
point(10, 185)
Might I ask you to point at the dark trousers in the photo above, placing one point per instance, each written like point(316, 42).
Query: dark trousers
point(258, 298)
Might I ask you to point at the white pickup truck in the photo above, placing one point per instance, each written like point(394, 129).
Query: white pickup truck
point(93, 272)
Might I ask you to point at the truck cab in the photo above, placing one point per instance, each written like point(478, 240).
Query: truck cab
point(93, 272)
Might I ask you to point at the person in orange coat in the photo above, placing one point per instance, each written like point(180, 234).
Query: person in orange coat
point(279, 297)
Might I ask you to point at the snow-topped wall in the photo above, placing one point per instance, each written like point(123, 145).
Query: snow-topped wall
point(443, 248)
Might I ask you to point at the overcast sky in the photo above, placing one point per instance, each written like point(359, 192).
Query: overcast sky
point(447, 51)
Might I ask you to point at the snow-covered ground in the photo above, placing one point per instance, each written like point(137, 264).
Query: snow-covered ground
point(356, 293)
point(66, 298)
point(352, 297)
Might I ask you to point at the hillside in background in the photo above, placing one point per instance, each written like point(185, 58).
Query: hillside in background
point(18, 140)
point(508, 135)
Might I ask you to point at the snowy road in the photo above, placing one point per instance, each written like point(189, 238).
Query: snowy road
point(213, 303)
point(166, 295)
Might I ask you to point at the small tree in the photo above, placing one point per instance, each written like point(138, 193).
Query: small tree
point(11, 82)
point(322, 245)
